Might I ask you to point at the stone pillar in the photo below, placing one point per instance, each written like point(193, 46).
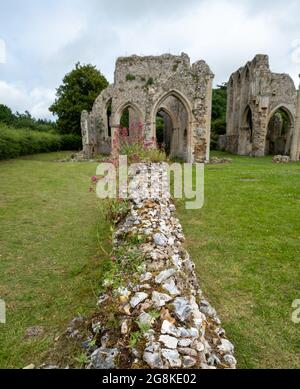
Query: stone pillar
point(87, 147)
point(115, 130)
point(295, 147)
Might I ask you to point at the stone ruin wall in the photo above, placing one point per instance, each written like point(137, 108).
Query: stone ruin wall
point(255, 87)
point(162, 302)
point(144, 84)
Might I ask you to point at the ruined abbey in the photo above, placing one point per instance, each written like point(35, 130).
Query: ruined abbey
point(261, 112)
point(145, 87)
point(263, 108)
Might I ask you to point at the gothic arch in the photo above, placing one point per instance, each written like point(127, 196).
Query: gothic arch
point(186, 131)
point(278, 138)
point(118, 113)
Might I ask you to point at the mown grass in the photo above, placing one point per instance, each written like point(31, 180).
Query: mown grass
point(245, 242)
point(50, 259)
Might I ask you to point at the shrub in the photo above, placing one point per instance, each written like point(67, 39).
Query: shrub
point(16, 142)
point(71, 142)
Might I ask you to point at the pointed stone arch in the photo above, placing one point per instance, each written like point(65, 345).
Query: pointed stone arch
point(182, 132)
point(280, 131)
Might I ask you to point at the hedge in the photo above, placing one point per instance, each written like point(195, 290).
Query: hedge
point(16, 142)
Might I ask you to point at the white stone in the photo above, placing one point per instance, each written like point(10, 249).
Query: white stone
point(152, 347)
point(169, 328)
point(29, 367)
point(153, 359)
point(172, 356)
point(199, 346)
point(160, 299)
point(189, 332)
point(145, 277)
point(188, 361)
point(230, 360)
point(172, 208)
point(185, 342)
point(124, 327)
point(138, 298)
point(170, 287)
point(176, 260)
point(169, 341)
point(182, 308)
point(164, 275)
point(213, 360)
point(225, 347)
point(188, 351)
point(171, 241)
point(160, 239)
point(146, 319)
point(149, 335)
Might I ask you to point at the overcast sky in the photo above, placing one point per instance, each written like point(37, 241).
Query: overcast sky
point(40, 41)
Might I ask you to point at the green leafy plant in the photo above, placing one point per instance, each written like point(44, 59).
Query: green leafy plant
point(82, 359)
point(130, 77)
point(150, 81)
point(134, 337)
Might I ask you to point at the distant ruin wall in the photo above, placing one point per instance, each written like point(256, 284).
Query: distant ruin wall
point(254, 94)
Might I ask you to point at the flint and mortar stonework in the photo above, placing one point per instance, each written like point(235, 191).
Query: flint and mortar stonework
point(177, 327)
point(166, 84)
point(254, 95)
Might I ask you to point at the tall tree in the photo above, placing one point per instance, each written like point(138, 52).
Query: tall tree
point(218, 117)
point(78, 91)
point(6, 115)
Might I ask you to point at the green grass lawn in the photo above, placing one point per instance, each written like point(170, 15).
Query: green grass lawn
point(245, 242)
point(49, 254)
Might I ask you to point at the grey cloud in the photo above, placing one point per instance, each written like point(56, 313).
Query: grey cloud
point(45, 39)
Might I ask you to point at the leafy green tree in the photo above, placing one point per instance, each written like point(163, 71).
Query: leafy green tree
point(6, 115)
point(78, 92)
point(218, 122)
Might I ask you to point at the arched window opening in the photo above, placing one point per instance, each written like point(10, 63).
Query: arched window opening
point(171, 127)
point(125, 122)
point(130, 122)
point(164, 129)
point(278, 138)
point(249, 124)
point(246, 133)
point(108, 116)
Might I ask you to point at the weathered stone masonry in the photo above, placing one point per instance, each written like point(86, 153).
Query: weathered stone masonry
point(181, 329)
point(165, 84)
point(255, 94)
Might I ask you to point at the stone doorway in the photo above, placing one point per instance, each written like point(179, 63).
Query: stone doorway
point(279, 134)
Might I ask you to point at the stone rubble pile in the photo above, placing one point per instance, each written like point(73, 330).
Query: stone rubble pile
point(181, 328)
point(218, 161)
point(281, 159)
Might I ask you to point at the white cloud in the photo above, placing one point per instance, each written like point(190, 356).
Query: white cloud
point(46, 39)
point(36, 101)
point(220, 32)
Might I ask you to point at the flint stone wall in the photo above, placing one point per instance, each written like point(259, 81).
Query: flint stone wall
point(185, 331)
